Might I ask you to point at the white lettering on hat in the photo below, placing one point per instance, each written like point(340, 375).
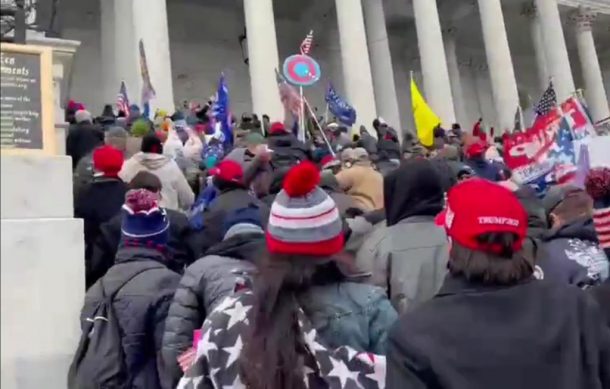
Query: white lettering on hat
point(449, 216)
point(498, 220)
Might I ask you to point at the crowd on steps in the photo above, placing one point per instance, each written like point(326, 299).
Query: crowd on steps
point(353, 259)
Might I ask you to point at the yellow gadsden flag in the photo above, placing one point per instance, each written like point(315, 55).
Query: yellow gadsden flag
point(425, 119)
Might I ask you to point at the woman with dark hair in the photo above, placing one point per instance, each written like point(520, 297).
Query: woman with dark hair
point(492, 324)
point(303, 326)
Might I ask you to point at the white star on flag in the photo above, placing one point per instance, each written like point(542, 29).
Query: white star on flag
point(237, 314)
point(233, 352)
point(205, 346)
point(310, 340)
point(342, 372)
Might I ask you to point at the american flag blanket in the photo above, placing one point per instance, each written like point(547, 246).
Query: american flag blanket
point(216, 365)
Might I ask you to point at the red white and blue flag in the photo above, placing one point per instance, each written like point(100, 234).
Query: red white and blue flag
point(148, 92)
point(122, 101)
point(306, 44)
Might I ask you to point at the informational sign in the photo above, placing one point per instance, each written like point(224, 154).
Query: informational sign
point(26, 102)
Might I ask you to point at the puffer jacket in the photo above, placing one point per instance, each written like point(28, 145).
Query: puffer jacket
point(571, 254)
point(176, 193)
point(352, 314)
point(204, 284)
point(141, 309)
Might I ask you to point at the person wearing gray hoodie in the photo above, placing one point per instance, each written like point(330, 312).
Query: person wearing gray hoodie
point(176, 193)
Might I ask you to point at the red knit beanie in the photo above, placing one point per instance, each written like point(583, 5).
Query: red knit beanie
point(108, 161)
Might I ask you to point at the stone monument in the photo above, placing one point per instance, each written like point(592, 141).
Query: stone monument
point(42, 246)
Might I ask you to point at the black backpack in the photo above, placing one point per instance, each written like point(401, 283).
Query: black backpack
point(99, 361)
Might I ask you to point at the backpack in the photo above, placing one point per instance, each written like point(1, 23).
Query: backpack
point(99, 361)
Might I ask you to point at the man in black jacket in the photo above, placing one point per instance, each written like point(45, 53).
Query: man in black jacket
point(492, 325)
point(287, 149)
point(233, 194)
point(147, 286)
point(83, 137)
point(180, 246)
point(101, 200)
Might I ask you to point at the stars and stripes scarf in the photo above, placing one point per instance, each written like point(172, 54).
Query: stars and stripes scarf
point(219, 349)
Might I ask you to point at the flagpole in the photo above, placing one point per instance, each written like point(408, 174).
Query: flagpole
point(326, 115)
point(302, 130)
point(320, 127)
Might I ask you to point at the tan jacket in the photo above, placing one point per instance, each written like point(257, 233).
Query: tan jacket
point(364, 184)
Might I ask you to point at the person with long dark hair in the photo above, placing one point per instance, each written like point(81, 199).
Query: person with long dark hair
point(302, 325)
point(493, 324)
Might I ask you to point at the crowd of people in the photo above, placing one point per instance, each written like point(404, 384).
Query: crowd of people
point(352, 260)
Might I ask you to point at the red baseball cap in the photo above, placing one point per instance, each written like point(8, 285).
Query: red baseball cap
point(477, 206)
point(228, 170)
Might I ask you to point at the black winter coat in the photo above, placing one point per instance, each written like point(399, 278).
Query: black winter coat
point(287, 150)
point(97, 204)
point(533, 335)
point(141, 309)
point(571, 255)
point(204, 284)
point(181, 246)
point(214, 216)
point(82, 139)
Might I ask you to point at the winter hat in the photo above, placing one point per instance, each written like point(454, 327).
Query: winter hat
point(107, 161)
point(82, 116)
point(329, 161)
point(144, 224)
point(228, 171)
point(556, 194)
point(598, 187)
point(477, 206)
point(277, 128)
point(243, 221)
point(151, 144)
point(361, 156)
point(304, 220)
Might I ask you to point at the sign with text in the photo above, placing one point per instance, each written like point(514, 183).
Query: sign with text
point(26, 99)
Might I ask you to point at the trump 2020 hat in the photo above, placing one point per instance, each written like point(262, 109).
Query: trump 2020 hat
point(477, 206)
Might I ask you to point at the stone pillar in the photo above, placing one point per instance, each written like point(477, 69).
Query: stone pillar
point(457, 92)
point(152, 27)
point(595, 93)
point(437, 87)
point(356, 65)
point(555, 48)
point(503, 82)
point(263, 58)
point(381, 62)
point(42, 249)
point(531, 12)
point(122, 28)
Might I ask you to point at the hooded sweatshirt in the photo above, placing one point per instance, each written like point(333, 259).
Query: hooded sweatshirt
point(176, 193)
point(409, 256)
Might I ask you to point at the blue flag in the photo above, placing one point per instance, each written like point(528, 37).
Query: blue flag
point(344, 112)
point(220, 112)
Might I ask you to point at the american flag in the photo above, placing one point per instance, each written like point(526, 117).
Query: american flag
point(290, 97)
point(306, 45)
point(122, 101)
point(547, 102)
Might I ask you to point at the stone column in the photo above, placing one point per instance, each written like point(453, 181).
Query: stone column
point(356, 65)
point(153, 29)
point(555, 48)
point(459, 103)
point(504, 85)
point(437, 87)
point(531, 12)
point(595, 93)
point(263, 58)
point(122, 28)
point(381, 62)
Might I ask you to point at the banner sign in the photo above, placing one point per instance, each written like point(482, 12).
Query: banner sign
point(547, 152)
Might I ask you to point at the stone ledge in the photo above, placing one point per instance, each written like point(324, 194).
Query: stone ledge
point(42, 292)
point(36, 187)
